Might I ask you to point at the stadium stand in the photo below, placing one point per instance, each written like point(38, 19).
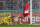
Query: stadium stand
point(17, 4)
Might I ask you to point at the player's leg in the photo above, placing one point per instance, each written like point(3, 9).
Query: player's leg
point(29, 19)
point(19, 20)
point(28, 15)
point(10, 22)
point(7, 22)
point(24, 15)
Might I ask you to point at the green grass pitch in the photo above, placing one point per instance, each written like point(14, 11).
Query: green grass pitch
point(20, 25)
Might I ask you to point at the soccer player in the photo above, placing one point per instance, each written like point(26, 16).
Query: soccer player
point(6, 21)
point(26, 11)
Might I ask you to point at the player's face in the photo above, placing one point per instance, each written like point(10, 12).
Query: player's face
point(28, 2)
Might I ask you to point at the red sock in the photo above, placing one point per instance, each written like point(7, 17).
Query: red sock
point(29, 20)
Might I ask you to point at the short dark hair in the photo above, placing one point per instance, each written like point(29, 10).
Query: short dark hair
point(26, 2)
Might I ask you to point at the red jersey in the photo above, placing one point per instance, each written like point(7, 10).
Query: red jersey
point(26, 7)
point(26, 10)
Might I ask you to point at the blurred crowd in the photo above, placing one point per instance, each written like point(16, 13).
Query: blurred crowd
point(16, 4)
point(35, 4)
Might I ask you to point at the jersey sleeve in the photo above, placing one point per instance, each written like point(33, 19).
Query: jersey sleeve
point(25, 8)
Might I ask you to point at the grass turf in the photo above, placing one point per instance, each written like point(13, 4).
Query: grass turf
point(20, 25)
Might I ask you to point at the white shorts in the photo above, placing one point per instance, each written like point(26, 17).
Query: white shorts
point(26, 11)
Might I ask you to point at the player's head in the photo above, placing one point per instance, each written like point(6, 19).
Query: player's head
point(27, 2)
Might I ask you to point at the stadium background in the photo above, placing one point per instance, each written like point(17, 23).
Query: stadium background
point(12, 7)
